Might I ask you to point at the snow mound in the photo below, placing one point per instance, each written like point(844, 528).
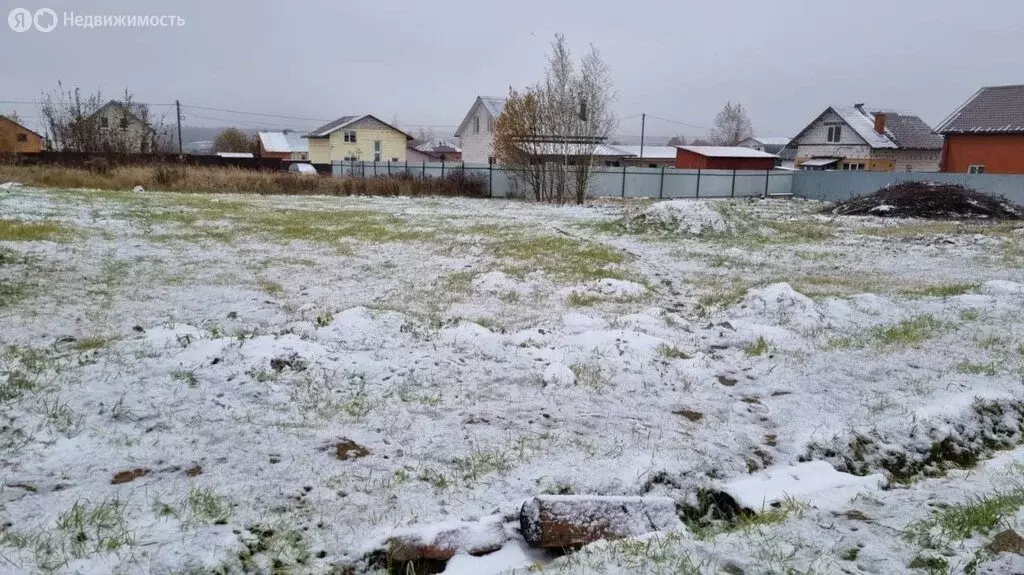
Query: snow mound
point(814, 482)
point(617, 288)
point(1002, 287)
point(10, 185)
point(781, 304)
point(495, 282)
point(360, 325)
point(559, 374)
point(685, 216)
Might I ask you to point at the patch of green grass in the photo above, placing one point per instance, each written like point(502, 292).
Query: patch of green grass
point(992, 342)
point(749, 521)
point(798, 232)
point(591, 374)
point(12, 292)
point(61, 418)
point(93, 528)
point(187, 377)
point(940, 290)
point(91, 343)
point(907, 333)
point(204, 507)
point(435, 478)
point(989, 368)
point(283, 547)
point(980, 515)
point(271, 288)
point(324, 319)
point(721, 296)
point(509, 297)
point(931, 564)
point(31, 231)
point(970, 315)
point(850, 554)
point(671, 352)
point(480, 462)
point(581, 299)
point(759, 347)
point(565, 259)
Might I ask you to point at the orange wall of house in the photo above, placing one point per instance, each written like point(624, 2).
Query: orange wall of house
point(9, 133)
point(999, 153)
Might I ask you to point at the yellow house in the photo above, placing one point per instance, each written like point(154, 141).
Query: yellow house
point(357, 139)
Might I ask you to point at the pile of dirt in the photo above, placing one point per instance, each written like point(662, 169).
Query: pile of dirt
point(931, 200)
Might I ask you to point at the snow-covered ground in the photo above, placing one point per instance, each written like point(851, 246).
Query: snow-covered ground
point(258, 384)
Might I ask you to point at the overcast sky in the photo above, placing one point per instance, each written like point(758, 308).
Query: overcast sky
point(424, 62)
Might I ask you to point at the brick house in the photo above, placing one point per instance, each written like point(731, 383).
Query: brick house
point(852, 138)
point(985, 135)
point(723, 158)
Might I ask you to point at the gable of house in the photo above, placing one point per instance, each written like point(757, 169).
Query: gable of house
point(357, 138)
point(985, 134)
point(17, 138)
point(476, 131)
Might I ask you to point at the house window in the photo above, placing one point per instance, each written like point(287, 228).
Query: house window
point(490, 125)
point(124, 123)
point(394, 160)
point(976, 169)
point(376, 150)
point(834, 134)
point(22, 137)
point(350, 136)
point(104, 122)
point(476, 124)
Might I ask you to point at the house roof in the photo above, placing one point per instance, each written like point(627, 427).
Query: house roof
point(991, 109)
point(493, 104)
point(570, 149)
point(29, 130)
point(283, 142)
point(902, 131)
point(345, 121)
point(438, 146)
point(650, 152)
point(770, 141)
point(726, 152)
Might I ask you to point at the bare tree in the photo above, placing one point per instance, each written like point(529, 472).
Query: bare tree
point(548, 133)
point(73, 124)
point(700, 142)
point(732, 125)
point(233, 140)
point(677, 140)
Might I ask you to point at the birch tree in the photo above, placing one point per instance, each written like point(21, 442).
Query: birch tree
point(547, 134)
point(732, 125)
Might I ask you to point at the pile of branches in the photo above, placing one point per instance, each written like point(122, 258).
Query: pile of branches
point(930, 200)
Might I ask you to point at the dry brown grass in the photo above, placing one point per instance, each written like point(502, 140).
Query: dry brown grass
point(174, 178)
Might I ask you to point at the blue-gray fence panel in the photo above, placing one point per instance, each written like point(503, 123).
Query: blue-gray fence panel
point(835, 186)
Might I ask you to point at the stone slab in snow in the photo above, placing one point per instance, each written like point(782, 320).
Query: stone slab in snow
point(558, 521)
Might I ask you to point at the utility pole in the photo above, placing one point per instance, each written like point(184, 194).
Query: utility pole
point(643, 124)
point(177, 105)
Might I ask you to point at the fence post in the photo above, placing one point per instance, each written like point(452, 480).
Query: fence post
point(389, 168)
point(405, 172)
point(442, 167)
point(661, 185)
point(767, 174)
point(375, 168)
point(623, 181)
point(424, 174)
point(698, 183)
point(732, 193)
point(490, 180)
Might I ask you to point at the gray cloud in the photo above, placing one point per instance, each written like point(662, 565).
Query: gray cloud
point(424, 62)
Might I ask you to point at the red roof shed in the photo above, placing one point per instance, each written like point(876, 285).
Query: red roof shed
point(723, 158)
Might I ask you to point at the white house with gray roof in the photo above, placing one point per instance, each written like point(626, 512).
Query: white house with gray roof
point(851, 138)
point(476, 132)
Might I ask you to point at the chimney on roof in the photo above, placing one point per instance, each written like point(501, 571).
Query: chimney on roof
point(880, 122)
point(859, 106)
